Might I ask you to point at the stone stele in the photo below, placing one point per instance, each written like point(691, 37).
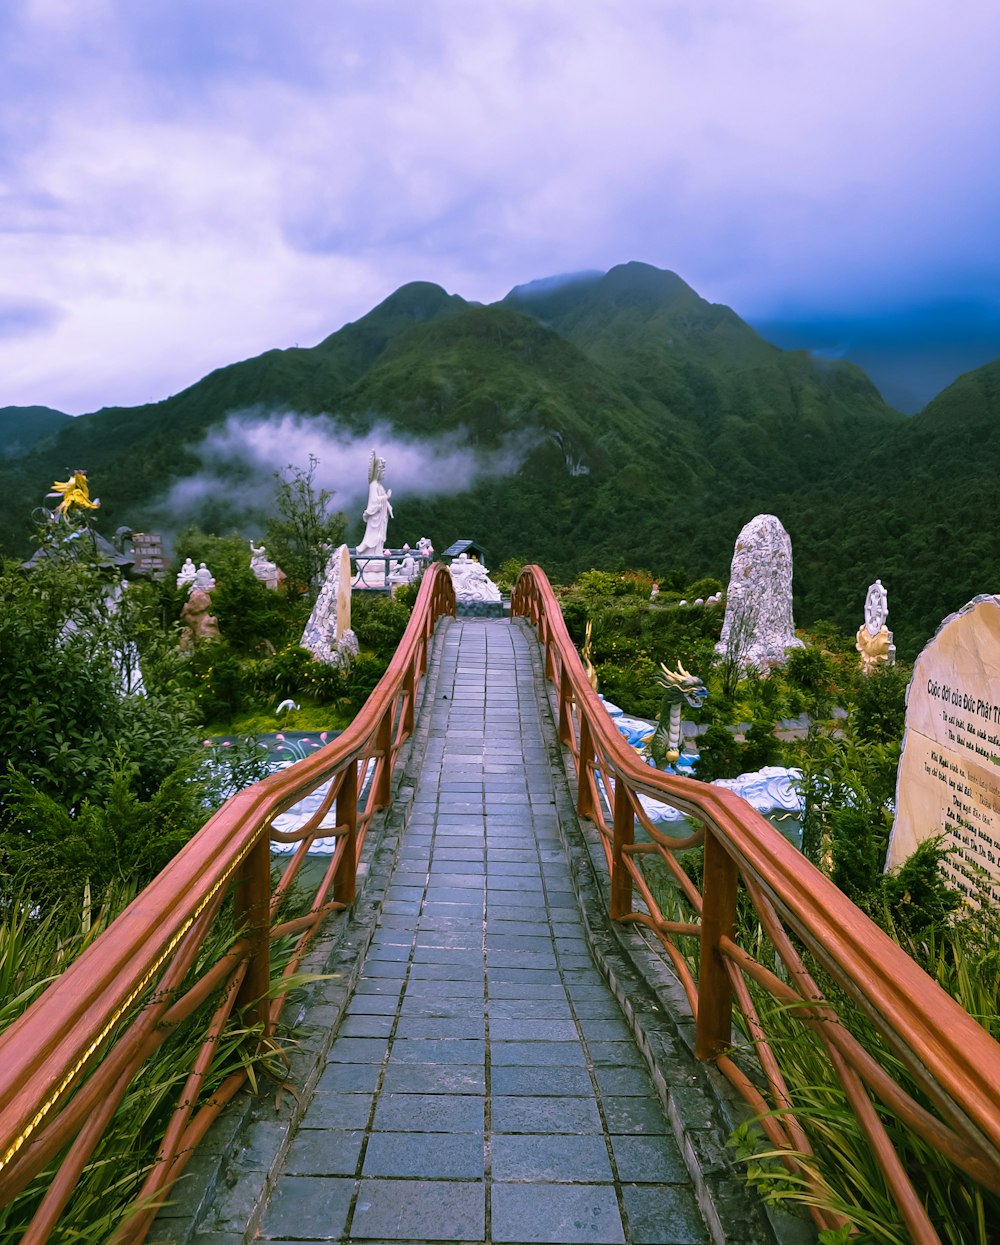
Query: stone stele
point(949, 772)
point(758, 627)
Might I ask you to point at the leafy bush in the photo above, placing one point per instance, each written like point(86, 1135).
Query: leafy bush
point(61, 637)
point(761, 747)
point(304, 530)
point(251, 617)
point(615, 584)
point(703, 588)
point(880, 704)
point(916, 895)
point(719, 755)
point(115, 836)
point(505, 575)
point(378, 621)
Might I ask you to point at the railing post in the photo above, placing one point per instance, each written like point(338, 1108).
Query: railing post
point(565, 700)
point(347, 815)
point(425, 640)
point(624, 834)
point(584, 797)
point(383, 743)
point(713, 1035)
point(409, 704)
point(251, 912)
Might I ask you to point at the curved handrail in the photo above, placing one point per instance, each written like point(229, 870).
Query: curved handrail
point(126, 985)
point(952, 1058)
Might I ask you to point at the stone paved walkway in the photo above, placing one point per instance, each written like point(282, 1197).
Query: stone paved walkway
point(483, 1085)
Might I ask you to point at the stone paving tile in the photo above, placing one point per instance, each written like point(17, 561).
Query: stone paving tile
point(308, 1208)
point(438, 1156)
point(559, 1214)
point(426, 1113)
point(547, 1115)
point(538, 1054)
point(435, 1078)
point(663, 1215)
point(326, 1152)
point(567, 1159)
point(419, 1210)
point(541, 1081)
point(654, 1160)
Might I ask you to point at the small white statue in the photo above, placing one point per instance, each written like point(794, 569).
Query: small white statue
point(204, 579)
point(425, 548)
point(262, 568)
point(405, 570)
point(187, 574)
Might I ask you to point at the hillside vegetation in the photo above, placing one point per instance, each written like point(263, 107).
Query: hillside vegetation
point(647, 426)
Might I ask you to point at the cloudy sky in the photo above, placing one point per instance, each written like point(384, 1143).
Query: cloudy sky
point(184, 183)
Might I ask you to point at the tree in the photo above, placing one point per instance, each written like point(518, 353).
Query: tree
point(301, 537)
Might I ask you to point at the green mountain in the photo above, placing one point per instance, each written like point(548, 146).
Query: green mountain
point(641, 425)
point(756, 411)
point(22, 427)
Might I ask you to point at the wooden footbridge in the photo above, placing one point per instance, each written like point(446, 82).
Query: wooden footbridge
point(514, 1039)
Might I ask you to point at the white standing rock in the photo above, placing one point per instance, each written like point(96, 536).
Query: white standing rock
point(758, 627)
point(323, 637)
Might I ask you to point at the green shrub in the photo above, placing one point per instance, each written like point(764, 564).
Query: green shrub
point(286, 673)
point(703, 588)
point(719, 755)
point(879, 710)
point(115, 836)
point(378, 621)
point(809, 670)
point(761, 747)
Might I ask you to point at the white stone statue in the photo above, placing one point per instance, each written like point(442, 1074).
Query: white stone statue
point(262, 568)
point(874, 639)
point(405, 570)
point(378, 512)
point(204, 579)
point(425, 548)
point(322, 637)
point(758, 627)
point(472, 581)
point(187, 574)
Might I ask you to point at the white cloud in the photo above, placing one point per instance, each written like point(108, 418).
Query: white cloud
point(240, 457)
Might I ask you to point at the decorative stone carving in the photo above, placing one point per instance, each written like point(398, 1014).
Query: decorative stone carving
point(758, 627)
point(425, 548)
point(262, 568)
point(472, 581)
point(200, 625)
point(187, 574)
point(322, 637)
point(874, 639)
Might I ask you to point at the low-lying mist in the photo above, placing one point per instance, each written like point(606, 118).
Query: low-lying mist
point(235, 485)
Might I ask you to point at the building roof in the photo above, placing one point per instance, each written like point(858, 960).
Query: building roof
point(464, 546)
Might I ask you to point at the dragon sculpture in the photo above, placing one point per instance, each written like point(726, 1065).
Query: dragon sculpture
point(679, 688)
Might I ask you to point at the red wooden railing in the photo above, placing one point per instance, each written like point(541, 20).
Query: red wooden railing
point(950, 1057)
point(67, 1063)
